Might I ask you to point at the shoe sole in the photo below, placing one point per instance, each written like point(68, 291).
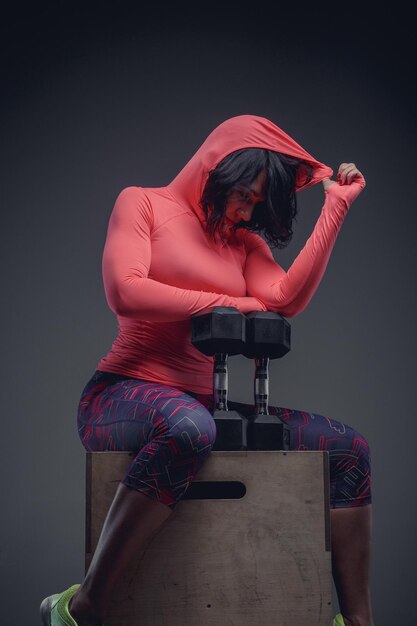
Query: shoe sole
point(46, 612)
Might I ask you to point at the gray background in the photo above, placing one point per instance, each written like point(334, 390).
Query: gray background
point(96, 100)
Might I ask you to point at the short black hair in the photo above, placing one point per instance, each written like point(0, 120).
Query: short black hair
point(272, 217)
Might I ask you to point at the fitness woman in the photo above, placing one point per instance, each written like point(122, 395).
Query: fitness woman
point(172, 252)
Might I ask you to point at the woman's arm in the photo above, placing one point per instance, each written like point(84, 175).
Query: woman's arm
point(289, 292)
point(126, 263)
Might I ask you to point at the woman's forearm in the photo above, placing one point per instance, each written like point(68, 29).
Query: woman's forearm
point(289, 292)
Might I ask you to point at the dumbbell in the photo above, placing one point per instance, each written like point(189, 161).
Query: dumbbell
point(220, 331)
point(268, 336)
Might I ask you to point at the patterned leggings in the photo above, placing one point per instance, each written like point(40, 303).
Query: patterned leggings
point(172, 432)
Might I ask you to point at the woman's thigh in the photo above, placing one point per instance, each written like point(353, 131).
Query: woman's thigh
point(120, 413)
point(349, 453)
point(170, 433)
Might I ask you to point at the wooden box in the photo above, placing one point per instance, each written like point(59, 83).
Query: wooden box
point(249, 545)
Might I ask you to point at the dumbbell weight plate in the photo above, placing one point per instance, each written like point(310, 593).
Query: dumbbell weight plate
point(267, 334)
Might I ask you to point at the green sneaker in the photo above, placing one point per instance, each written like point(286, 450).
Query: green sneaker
point(338, 620)
point(54, 609)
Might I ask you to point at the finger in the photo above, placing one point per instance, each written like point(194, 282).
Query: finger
point(352, 176)
point(345, 168)
point(347, 173)
point(358, 180)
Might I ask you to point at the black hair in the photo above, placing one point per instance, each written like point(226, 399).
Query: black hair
point(272, 217)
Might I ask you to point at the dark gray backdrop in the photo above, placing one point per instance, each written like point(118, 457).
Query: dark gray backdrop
point(98, 99)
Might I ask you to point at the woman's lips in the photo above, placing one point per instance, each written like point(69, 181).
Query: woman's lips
point(237, 217)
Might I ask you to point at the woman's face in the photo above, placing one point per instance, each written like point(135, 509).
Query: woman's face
point(241, 201)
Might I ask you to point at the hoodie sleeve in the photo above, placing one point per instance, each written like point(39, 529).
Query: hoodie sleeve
point(290, 292)
point(126, 262)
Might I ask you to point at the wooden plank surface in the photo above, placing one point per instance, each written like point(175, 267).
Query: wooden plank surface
point(260, 560)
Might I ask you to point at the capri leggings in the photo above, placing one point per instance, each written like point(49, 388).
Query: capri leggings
point(171, 432)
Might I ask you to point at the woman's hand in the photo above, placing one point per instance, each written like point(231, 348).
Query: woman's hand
point(350, 182)
point(346, 174)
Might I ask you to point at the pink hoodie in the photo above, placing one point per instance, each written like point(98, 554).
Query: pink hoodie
point(160, 266)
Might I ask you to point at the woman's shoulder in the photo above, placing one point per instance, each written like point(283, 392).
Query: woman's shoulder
point(133, 204)
point(132, 192)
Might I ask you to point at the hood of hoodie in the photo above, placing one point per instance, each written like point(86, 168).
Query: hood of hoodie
point(242, 131)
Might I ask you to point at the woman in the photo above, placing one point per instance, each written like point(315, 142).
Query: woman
point(170, 253)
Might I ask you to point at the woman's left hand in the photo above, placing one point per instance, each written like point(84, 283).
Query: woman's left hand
point(347, 174)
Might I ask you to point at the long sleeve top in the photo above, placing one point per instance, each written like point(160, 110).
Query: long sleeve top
point(160, 267)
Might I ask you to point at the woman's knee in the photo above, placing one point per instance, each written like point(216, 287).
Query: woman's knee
point(350, 470)
point(349, 445)
point(361, 448)
point(192, 432)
